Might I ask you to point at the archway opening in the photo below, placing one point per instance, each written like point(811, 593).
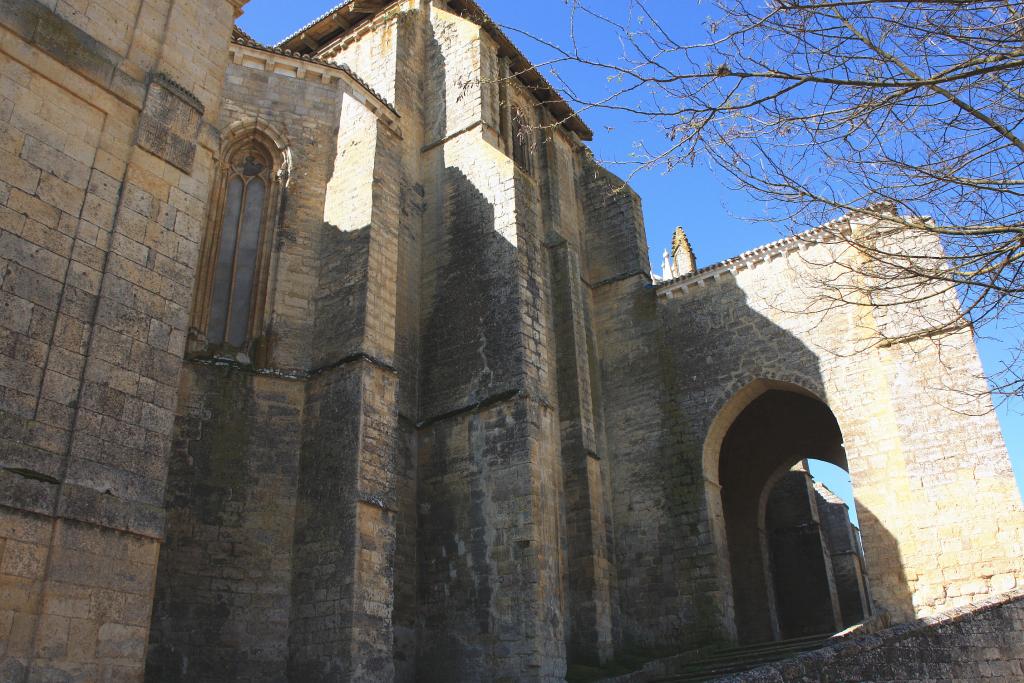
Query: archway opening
point(794, 558)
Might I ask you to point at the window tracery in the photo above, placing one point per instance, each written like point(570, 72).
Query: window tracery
point(234, 268)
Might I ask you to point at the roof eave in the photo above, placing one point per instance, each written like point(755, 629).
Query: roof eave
point(314, 36)
point(524, 69)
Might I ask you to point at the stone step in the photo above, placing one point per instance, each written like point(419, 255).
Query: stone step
point(775, 644)
point(737, 659)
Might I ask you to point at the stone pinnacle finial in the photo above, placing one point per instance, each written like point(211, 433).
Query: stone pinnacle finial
point(683, 259)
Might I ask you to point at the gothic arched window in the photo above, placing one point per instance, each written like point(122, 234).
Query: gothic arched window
point(521, 140)
point(234, 267)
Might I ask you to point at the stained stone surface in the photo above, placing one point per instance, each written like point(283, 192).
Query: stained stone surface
point(169, 124)
point(473, 438)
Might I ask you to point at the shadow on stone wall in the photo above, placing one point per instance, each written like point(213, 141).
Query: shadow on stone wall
point(341, 294)
point(470, 366)
point(482, 600)
point(717, 356)
point(343, 526)
point(775, 431)
point(321, 636)
point(472, 337)
point(222, 594)
point(252, 481)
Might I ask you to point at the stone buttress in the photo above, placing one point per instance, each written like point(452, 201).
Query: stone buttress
point(343, 360)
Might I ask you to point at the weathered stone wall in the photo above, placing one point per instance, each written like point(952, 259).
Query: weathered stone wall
point(477, 442)
point(340, 297)
point(557, 161)
point(668, 596)
point(100, 237)
point(344, 538)
point(847, 561)
point(731, 329)
point(321, 397)
point(589, 579)
point(346, 524)
point(490, 478)
point(505, 328)
point(224, 580)
point(388, 54)
point(983, 641)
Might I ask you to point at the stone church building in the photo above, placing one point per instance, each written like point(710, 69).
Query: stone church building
point(343, 360)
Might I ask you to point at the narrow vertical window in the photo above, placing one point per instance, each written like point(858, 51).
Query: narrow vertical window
point(521, 140)
point(233, 272)
point(238, 250)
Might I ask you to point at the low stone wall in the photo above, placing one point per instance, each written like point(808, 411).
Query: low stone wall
point(982, 641)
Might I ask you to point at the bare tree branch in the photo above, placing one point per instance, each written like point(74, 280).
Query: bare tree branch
point(886, 109)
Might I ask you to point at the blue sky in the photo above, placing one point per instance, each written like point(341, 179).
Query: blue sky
point(693, 197)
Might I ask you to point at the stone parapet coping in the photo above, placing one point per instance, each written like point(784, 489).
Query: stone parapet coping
point(749, 260)
point(841, 226)
point(303, 67)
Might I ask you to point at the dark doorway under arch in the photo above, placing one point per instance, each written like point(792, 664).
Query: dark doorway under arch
point(814, 557)
point(774, 432)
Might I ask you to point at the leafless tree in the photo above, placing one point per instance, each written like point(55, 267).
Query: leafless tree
point(889, 109)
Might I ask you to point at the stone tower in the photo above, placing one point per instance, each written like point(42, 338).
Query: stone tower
point(342, 360)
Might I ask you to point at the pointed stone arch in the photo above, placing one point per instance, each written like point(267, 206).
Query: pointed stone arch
point(237, 132)
point(736, 398)
point(751, 611)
